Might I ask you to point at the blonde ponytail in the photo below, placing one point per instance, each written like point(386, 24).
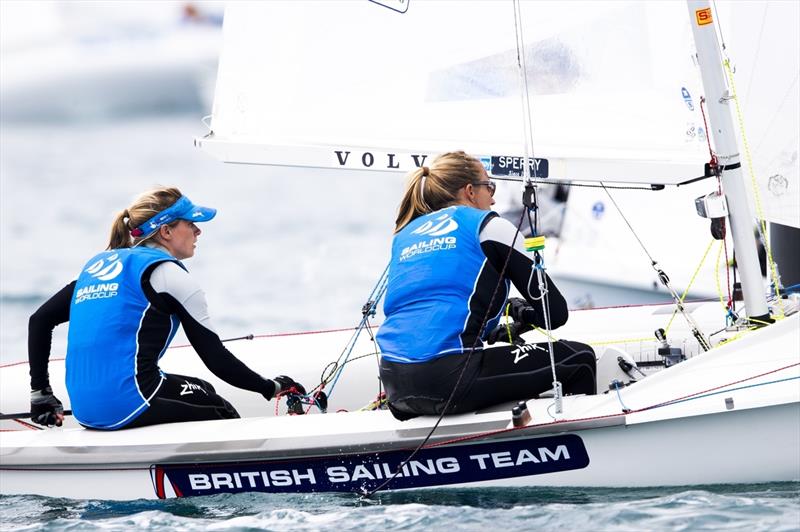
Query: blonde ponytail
point(431, 189)
point(143, 208)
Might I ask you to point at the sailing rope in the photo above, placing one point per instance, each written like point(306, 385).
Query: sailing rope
point(689, 286)
point(528, 143)
point(530, 193)
point(730, 315)
point(701, 339)
point(762, 222)
point(527, 122)
point(549, 181)
point(716, 390)
point(337, 367)
point(368, 493)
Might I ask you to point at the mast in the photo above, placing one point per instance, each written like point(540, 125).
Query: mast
point(740, 219)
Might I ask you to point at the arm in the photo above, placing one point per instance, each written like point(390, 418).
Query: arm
point(53, 312)
point(46, 409)
point(171, 289)
point(497, 240)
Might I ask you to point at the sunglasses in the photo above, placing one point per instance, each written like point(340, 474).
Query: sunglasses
point(491, 185)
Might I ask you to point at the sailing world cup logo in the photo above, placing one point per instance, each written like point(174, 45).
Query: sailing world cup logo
point(106, 269)
point(441, 225)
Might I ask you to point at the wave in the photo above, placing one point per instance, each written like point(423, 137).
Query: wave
point(743, 507)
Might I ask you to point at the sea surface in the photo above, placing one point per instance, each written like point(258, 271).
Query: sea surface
point(290, 250)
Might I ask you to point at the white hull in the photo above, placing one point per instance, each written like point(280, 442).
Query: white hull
point(751, 446)
point(305, 356)
point(731, 415)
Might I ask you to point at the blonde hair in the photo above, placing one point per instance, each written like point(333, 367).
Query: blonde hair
point(142, 209)
point(429, 189)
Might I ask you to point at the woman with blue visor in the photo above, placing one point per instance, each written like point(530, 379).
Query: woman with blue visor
point(124, 309)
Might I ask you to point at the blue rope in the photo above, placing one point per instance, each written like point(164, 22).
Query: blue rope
point(792, 289)
point(374, 298)
point(619, 397)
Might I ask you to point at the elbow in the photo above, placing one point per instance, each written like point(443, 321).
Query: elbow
point(36, 321)
point(559, 319)
point(559, 313)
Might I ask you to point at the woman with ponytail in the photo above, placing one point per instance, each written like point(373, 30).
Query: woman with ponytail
point(124, 309)
point(452, 262)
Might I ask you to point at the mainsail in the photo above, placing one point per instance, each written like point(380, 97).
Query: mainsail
point(613, 87)
point(614, 93)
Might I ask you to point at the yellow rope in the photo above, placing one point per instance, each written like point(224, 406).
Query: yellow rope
point(716, 276)
point(374, 405)
point(735, 336)
point(605, 342)
point(629, 341)
point(508, 326)
point(757, 196)
point(691, 281)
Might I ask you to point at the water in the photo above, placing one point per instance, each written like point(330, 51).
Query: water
point(772, 507)
point(290, 250)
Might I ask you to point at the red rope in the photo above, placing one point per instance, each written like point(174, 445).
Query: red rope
point(713, 162)
point(607, 416)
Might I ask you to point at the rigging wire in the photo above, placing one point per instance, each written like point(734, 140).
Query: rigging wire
point(527, 122)
point(529, 196)
point(718, 171)
point(762, 225)
point(540, 181)
point(704, 343)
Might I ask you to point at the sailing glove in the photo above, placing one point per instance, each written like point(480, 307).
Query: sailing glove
point(502, 332)
point(293, 390)
point(287, 384)
point(522, 314)
point(521, 311)
point(46, 409)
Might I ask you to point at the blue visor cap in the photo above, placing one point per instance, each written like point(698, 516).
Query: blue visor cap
point(183, 209)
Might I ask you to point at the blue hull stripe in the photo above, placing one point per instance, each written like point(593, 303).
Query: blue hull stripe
point(439, 466)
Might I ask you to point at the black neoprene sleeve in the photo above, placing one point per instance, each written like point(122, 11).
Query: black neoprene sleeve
point(518, 271)
point(209, 347)
point(53, 312)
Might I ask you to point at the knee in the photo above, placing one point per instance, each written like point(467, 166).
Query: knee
point(207, 385)
point(579, 353)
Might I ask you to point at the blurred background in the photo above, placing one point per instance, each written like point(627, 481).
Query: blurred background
point(100, 101)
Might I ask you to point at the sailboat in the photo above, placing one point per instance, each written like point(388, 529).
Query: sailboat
point(714, 399)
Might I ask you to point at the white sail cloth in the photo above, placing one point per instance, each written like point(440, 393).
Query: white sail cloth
point(613, 87)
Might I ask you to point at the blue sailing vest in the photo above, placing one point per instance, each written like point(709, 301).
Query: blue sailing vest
point(436, 261)
point(106, 313)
